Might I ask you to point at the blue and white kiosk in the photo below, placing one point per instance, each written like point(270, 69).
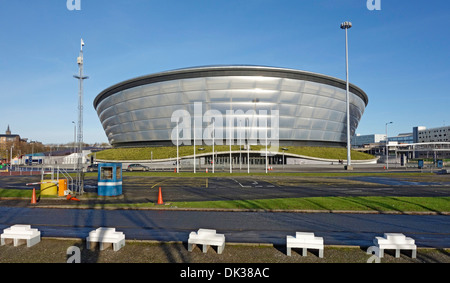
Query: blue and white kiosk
point(109, 179)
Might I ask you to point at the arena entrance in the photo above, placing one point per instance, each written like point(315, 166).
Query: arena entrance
point(242, 159)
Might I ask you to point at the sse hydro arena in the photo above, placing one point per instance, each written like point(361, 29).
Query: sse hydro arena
point(311, 107)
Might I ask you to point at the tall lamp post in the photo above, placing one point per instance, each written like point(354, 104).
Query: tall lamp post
point(248, 147)
point(178, 154)
point(11, 160)
point(346, 26)
point(194, 147)
point(387, 147)
point(213, 157)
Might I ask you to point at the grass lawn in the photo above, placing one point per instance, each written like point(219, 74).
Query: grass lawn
point(380, 204)
point(11, 193)
point(400, 204)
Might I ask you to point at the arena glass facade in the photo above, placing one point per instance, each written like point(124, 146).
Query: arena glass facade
point(311, 107)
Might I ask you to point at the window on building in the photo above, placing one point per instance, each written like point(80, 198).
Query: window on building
point(106, 173)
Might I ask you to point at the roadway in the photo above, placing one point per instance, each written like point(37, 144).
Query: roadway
point(241, 227)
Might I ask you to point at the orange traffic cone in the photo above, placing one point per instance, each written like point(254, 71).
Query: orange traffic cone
point(74, 199)
point(160, 200)
point(70, 197)
point(33, 197)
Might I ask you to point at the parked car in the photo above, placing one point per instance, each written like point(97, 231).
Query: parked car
point(137, 167)
point(92, 167)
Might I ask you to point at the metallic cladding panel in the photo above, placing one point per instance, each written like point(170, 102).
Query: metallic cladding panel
point(309, 111)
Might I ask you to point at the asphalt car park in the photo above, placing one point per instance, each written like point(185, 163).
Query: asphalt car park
point(267, 187)
point(142, 187)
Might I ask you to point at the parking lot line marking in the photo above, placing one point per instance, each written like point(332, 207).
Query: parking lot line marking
point(242, 186)
point(157, 184)
point(206, 182)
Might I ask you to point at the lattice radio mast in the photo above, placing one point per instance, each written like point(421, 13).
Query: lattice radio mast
point(79, 185)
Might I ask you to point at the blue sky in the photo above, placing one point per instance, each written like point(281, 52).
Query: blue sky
point(399, 55)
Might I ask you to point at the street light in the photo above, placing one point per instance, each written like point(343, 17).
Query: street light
point(231, 133)
point(255, 100)
point(178, 155)
point(346, 26)
point(194, 146)
point(387, 147)
point(248, 147)
point(240, 147)
point(11, 162)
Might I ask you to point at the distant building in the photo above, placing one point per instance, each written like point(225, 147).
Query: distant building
point(402, 138)
point(7, 141)
point(425, 143)
point(8, 138)
point(364, 140)
point(422, 134)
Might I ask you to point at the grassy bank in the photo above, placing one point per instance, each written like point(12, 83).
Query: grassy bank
point(146, 153)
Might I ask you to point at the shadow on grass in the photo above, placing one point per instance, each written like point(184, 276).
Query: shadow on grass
point(423, 207)
point(368, 204)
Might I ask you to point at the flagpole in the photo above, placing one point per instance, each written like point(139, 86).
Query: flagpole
point(248, 149)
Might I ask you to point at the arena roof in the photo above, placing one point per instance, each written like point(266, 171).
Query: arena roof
point(229, 70)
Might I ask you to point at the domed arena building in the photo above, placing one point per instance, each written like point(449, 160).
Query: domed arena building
point(222, 104)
